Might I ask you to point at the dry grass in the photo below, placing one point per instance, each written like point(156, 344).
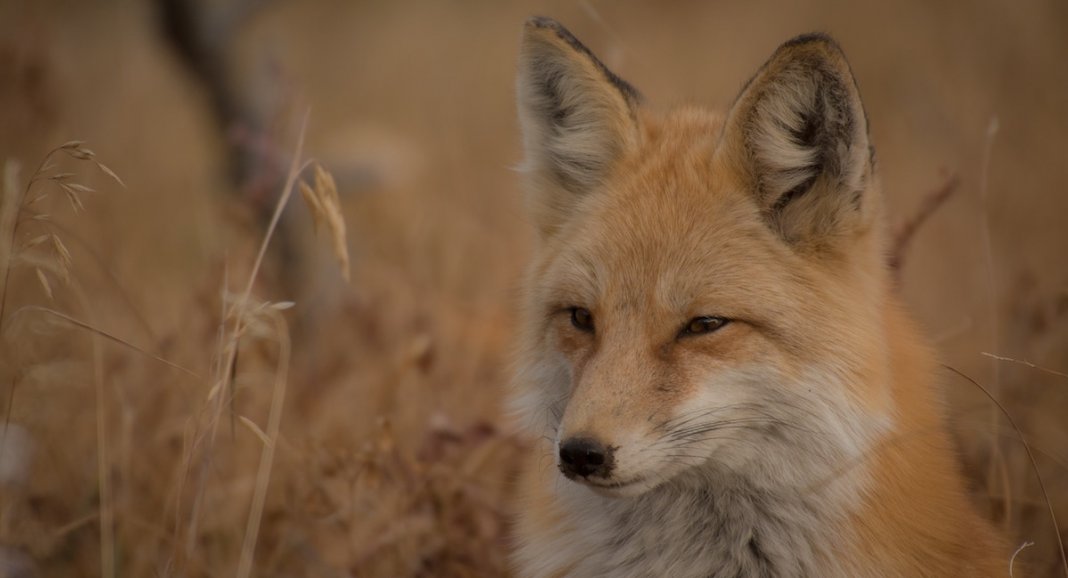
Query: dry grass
point(181, 399)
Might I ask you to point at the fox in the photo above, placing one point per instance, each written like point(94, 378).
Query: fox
point(714, 367)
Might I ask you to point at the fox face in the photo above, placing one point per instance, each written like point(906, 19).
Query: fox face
point(706, 297)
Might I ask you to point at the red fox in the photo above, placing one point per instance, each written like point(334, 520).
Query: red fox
point(713, 357)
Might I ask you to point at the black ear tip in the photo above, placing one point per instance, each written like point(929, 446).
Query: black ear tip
point(543, 22)
point(814, 40)
point(536, 24)
point(539, 23)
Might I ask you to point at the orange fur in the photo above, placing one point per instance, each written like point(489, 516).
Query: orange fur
point(835, 460)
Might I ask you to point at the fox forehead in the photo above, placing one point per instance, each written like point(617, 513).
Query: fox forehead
point(669, 229)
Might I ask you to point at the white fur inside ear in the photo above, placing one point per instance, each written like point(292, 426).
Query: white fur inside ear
point(806, 122)
point(778, 117)
point(574, 121)
point(800, 135)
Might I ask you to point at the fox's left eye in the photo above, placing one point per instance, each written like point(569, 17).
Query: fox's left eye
point(582, 319)
point(700, 325)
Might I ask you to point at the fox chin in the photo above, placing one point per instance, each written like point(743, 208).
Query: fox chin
point(713, 360)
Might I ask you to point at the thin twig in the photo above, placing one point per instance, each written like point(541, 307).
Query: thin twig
point(1030, 456)
point(1012, 560)
point(296, 167)
point(239, 311)
point(10, 204)
point(931, 203)
point(7, 412)
point(263, 475)
point(103, 453)
point(1026, 363)
point(102, 333)
point(102, 267)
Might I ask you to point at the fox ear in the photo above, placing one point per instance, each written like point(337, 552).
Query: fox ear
point(577, 119)
point(799, 134)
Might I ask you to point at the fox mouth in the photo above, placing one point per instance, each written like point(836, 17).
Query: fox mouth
point(613, 487)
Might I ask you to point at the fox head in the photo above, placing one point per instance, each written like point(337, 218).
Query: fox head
point(708, 291)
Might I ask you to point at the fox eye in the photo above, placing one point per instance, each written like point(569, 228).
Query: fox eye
point(700, 325)
point(582, 319)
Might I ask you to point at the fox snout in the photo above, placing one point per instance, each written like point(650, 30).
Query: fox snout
point(585, 457)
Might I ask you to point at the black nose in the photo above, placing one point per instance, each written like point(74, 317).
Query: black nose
point(585, 457)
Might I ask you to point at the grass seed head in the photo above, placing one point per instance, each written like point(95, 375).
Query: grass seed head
point(324, 203)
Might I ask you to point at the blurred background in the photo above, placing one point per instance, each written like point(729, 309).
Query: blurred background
point(361, 431)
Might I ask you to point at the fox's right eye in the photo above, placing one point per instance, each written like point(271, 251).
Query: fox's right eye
point(582, 319)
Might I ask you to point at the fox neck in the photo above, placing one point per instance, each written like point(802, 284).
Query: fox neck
point(712, 523)
point(917, 517)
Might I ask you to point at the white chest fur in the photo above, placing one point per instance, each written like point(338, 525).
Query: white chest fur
point(714, 527)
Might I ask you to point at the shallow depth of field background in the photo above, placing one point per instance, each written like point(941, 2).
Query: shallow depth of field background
point(394, 454)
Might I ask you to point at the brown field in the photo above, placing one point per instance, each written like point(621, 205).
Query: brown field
point(391, 455)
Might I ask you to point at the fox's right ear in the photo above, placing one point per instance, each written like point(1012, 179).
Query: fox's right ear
point(799, 134)
point(577, 119)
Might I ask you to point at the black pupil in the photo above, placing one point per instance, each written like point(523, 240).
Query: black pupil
point(581, 318)
point(704, 324)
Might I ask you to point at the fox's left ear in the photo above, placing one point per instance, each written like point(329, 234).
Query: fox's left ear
point(799, 136)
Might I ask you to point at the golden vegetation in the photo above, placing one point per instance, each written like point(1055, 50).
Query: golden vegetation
point(179, 402)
